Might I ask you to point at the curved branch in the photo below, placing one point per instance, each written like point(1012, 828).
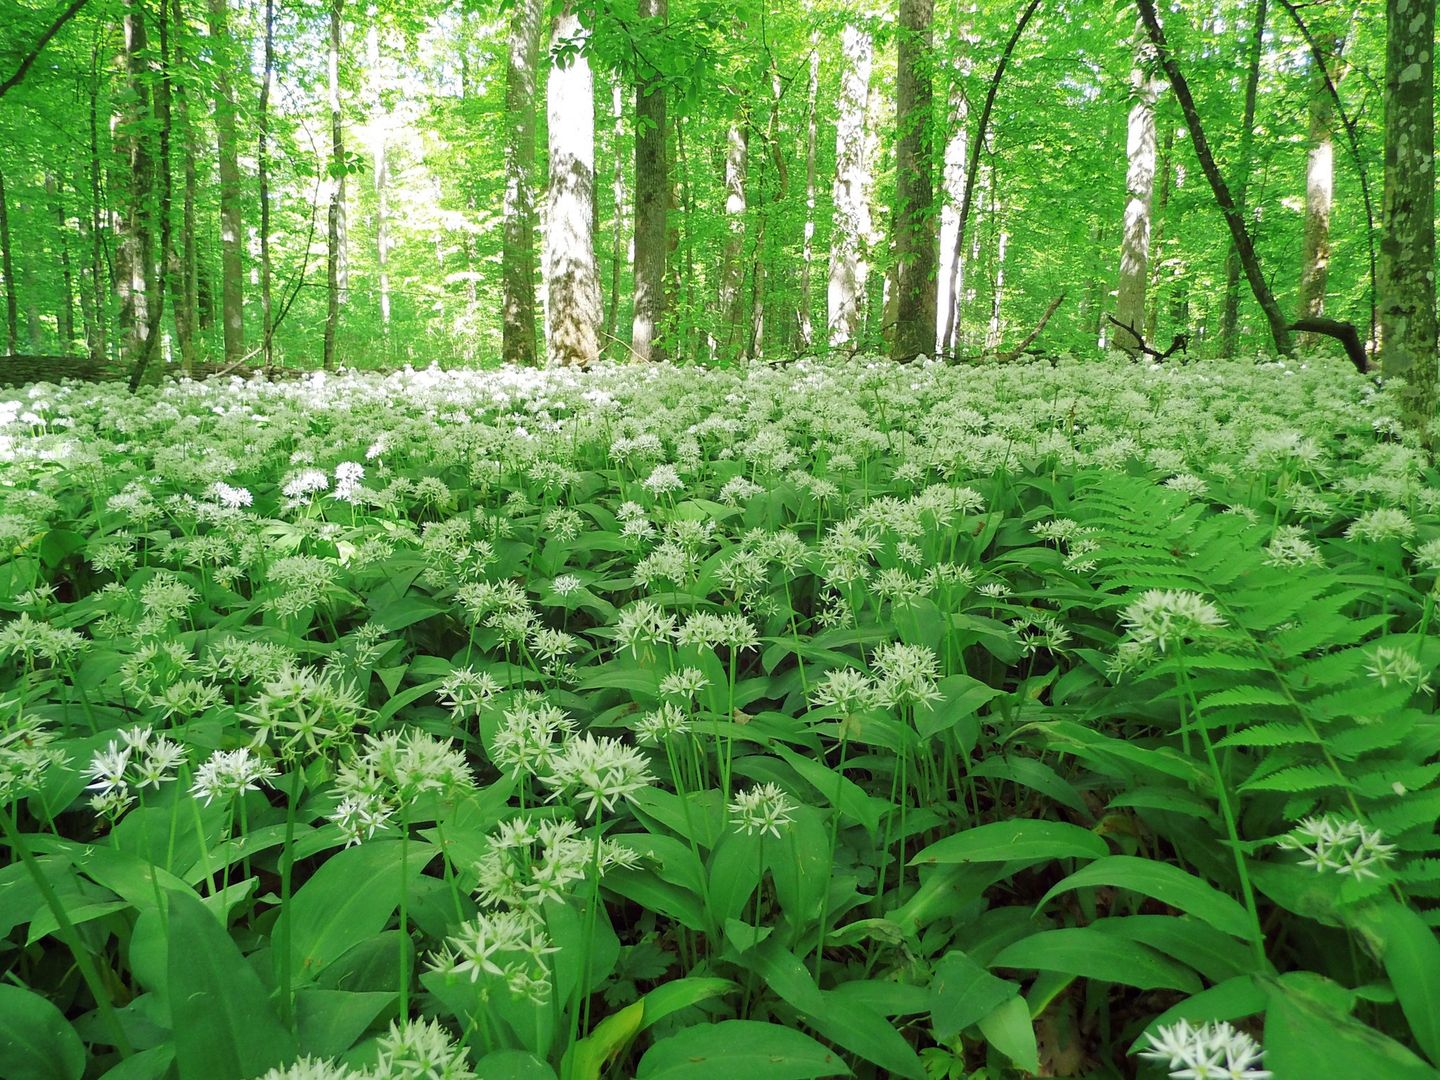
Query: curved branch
point(34, 54)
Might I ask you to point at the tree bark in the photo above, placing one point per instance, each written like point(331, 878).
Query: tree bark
point(652, 200)
point(183, 269)
point(7, 266)
point(517, 261)
point(95, 336)
point(267, 74)
point(805, 338)
point(1319, 191)
point(65, 309)
point(381, 180)
point(730, 309)
point(1164, 171)
point(617, 197)
point(334, 216)
point(133, 258)
point(1234, 219)
point(849, 268)
point(232, 226)
point(1407, 214)
point(916, 240)
point(1140, 145)
point(39, 46)
point(572, 279)
point(1230, 319)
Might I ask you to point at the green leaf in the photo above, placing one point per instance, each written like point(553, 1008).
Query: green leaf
point(1168, 884)
point(1018, 840)
point(1090, 954)
point(1009, 1029)
point(1307, 1037)
point(1230, 1000)
point(961, 993)
point(349, 899)
point(679, 994)
point(224, 1028)
point(36, 1041)
point(735, 1049)
point(330, 1022)
point(1411, 955)
point(513, 1065)
point(589, 1056)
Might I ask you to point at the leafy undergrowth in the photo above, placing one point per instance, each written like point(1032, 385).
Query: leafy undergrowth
point(653, 722)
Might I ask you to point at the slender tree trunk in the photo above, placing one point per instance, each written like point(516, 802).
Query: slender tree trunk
point(1319, 191)
point(618, 254)
point(380, 120)
point(517, 260)
point(730, 309)
point(1407, 215)
point(805, 324)
point(916, 256)
point(95, 336)
point(849, 268)
point(336, 210)
point(1157, 240)
point(681, 197)
point(1230, 321)
point(1139, 188)
point(7, 266)
point(267, 76)
point(65, 309)
point(134, 267)
point(181, 259)
point(652, 200)
point(995, 331)
point(232, 225)
point(572, 279)
point(951, 279)
point(1234, 219)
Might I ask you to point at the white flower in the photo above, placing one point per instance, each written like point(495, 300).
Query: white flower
point(227, 773)
point(1207, 1052)
point(599, 772)
point(1166, 617)
point(762, 809)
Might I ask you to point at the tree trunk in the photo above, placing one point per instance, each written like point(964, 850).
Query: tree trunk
point(1319, 191)
point(915, 237)
point(1157, 241)
point(335, 214)
point(805, 338)
point(7, 266)
point(1234, 219)
point(849, 269)
point(232, 226)
point(1139, 187)
point(572, 279)
point(95, 336)
point(1230, 320)
point(951, 279)
point(618, 255)
point(267, 75)
point(133, 258)
point(183, 284)
point(652, 200)
point(65, 309)
point(730, 309)
point(381, 179)
point(517, 261)
point(1407, 214)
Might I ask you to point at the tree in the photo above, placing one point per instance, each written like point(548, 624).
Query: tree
point(1319, 188)
point(517, 272)
point(1140, 145)
point(572, 278)
point(805, 330)
point(652, 199)
point(335, 213)
point(730, 308)
point(232, 224)
point(134, 269)
point(1407, 215)
point(916, 254)
point(849, 268)
point(1230, 320)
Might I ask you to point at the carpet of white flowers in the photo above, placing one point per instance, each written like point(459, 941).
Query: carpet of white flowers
point(823, 720)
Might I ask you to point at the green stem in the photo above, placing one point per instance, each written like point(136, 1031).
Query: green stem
point(68, 934)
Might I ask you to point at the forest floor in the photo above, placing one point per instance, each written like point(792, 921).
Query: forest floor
point(810, 721)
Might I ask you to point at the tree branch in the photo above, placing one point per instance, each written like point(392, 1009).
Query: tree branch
point(34, 54)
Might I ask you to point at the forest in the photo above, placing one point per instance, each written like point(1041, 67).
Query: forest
point(587, 539)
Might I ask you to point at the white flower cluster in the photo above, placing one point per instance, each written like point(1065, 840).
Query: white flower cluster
point(1208, 1052)
point(1339, 845)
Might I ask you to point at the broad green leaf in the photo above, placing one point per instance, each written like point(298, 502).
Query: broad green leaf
point(513, 1065)
point(1306, 1037)
point(1232, 999)
point(961, 993)
point(1018, 840)
point(36, 1041)
point(678, 994)
point(1411, 955)
point(587, 1059)
point(1089, 954)
point(739, 1050)
point(330, 1022)
point(1009, 1029)
point(222, 1023)
point(1164, 882)
point(350, 898)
